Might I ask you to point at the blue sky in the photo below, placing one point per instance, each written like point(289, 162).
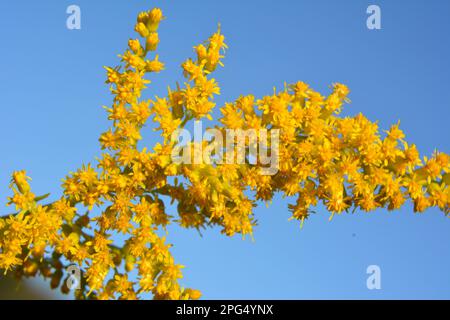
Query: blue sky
point(52, 89)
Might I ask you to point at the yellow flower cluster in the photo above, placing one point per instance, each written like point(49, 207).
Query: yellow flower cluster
point(344, 162)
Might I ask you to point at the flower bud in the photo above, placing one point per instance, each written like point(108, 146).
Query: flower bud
point(193, 294)
point(129, 262)
point(20, 179)
point(154, 17)
point(64, 288)
point(152, 41)
point(134, 45)
point(56, 279)
point(141, 29)
point(30, 268)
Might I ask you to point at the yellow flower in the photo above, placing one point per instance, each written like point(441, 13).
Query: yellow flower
point(342, 162)
point(68, 244)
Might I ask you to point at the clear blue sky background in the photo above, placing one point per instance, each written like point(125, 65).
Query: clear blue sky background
point(52, 89)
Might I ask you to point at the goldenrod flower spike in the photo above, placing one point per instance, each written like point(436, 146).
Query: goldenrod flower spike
point(343, 162)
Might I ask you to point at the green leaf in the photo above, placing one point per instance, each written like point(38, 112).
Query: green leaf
point(45, 196)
